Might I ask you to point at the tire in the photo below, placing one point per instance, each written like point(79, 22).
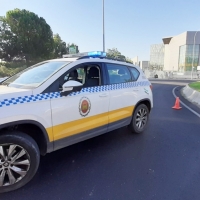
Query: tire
point(21, 161)
point(134, 125)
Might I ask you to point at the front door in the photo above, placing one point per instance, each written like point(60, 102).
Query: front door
point(81, 115)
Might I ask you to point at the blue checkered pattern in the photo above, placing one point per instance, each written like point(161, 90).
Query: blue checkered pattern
point(54, 95)
point(27, 99)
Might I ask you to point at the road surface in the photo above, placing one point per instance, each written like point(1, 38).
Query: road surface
point(162, 163)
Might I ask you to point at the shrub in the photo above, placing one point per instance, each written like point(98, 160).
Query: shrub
point(11, 68)
point(5, 71)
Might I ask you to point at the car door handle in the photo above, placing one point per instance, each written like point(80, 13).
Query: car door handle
point(103, 95)
point(136, 90)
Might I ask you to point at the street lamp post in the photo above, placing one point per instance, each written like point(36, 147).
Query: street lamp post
point(103, 30)
point(193, 54)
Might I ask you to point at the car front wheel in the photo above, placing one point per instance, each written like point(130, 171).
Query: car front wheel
point(19, 160)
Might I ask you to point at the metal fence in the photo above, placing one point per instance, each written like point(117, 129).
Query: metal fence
point(171, 74)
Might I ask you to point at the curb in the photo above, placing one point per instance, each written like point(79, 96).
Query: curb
point(191, 95)
point(189, 108)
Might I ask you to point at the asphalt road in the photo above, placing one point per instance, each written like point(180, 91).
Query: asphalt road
point(162, 163)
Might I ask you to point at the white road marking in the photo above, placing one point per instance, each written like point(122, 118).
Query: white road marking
point(190, 109)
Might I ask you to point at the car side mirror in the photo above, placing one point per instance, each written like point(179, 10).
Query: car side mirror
point(71, 86)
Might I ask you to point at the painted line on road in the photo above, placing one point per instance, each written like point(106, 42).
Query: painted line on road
point(190, 109)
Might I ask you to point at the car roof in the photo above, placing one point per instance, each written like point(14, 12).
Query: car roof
point(64, 59)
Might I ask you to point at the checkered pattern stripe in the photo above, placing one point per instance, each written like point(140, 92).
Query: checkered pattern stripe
point(27, 99)
point(54, 95)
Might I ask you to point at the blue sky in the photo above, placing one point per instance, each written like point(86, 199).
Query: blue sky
point(130, 25)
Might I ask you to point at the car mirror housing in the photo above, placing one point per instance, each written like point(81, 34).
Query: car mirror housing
point(71, 86)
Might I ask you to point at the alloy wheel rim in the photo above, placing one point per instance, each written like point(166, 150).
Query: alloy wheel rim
point(14, 164)
point(141, 118)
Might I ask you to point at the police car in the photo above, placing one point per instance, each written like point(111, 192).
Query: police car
point(61, 102)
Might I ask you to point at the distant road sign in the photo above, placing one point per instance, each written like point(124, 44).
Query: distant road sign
point(72, 50)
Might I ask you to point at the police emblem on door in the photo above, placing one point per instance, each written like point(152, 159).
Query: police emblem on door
point(84, 106)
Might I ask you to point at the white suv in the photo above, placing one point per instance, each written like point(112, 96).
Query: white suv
point(60, 102)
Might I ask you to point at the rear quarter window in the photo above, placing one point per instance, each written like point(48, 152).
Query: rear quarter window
point(135, 73)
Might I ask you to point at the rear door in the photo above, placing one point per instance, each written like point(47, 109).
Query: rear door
point(123, 95)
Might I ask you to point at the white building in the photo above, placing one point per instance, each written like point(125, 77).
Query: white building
point(144, 65)
point(182, 52)
point(157, 52)
point(135, 61)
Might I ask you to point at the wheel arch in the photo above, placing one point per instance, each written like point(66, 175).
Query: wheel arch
point(34, 129)
point(146, 101)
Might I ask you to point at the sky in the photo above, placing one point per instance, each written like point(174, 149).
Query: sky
point(131, 26)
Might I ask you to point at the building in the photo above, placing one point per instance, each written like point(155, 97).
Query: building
point(144, 65)
point(157, 52)
point(182, 52)
point(135, 60)
point(177, 54)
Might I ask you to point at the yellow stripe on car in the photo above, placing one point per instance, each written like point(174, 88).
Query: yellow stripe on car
point(119, 114)
point(78, 126)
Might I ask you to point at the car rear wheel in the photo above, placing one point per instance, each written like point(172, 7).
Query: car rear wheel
point(19, 160)
point(139, 119)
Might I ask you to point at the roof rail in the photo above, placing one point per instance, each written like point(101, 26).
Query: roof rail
point(114, 59)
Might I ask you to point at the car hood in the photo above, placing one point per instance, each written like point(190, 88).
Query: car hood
point(2, 79)
point(10, 92)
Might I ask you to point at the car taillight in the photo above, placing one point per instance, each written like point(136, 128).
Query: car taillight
point(151, 87)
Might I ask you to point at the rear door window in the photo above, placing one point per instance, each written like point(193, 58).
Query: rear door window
point(118, 73)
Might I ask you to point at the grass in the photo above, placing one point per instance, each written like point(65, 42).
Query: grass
point(195, 86)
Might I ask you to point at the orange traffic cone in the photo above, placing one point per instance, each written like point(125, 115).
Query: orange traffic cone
point(177, 104)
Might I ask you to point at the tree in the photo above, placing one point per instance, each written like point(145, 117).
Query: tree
point(60, 47)
point(115, 54)
point(27, 34)
point(8, 41)
point(129, 60)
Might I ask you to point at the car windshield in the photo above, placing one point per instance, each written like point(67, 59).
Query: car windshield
point(35, 75)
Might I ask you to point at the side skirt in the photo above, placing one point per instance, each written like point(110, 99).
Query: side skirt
point(58, 144)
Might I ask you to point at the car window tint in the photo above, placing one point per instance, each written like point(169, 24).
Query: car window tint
point(93, 76)
point(135, 73)
point(76, 75)
point(118, 73)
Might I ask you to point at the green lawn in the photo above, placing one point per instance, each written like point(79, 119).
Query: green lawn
point(195, 86)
